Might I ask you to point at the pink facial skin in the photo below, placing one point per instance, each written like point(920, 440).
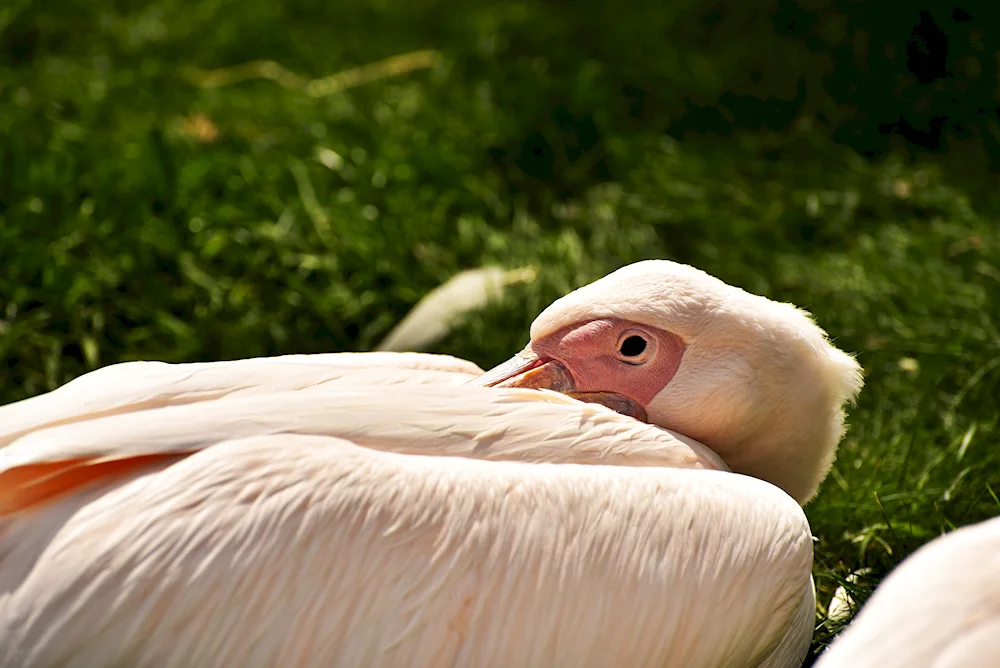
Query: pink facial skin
point(599, 355)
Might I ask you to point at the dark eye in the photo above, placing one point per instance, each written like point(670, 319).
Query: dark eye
point(632, 346)
point(635, 347)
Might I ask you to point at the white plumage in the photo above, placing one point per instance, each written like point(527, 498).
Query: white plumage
point(133, 386)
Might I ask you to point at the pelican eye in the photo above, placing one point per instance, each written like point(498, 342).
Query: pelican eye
point(632, 346)
point(635, 347)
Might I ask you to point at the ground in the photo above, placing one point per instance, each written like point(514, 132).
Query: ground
point(156, 206)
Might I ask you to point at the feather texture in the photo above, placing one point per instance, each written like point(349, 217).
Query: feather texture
point(483, 423)
point(134, 386)
point(410, 560)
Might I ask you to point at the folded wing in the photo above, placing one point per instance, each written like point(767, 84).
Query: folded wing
point(310, 550)
point(482, 423)
point(134, 386)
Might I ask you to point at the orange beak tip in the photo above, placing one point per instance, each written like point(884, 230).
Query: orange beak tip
point(519, 364)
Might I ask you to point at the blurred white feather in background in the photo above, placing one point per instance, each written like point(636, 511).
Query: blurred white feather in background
point(444, 306)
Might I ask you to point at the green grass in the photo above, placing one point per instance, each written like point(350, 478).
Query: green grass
point(298, 223)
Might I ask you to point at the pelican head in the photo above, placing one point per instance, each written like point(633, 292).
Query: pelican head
point(755, 380)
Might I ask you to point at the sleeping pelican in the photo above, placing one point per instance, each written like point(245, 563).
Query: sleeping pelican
point(940, 608)
point(333, 513)
point(755, 380)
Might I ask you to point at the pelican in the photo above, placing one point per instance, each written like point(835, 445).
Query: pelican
point(324, 511)
point(940, 608)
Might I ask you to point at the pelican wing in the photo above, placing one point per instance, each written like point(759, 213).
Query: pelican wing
point(486, 423)
point(133, 386)
point(289, 549)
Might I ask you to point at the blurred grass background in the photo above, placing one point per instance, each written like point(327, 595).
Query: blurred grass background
point(837, 154)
